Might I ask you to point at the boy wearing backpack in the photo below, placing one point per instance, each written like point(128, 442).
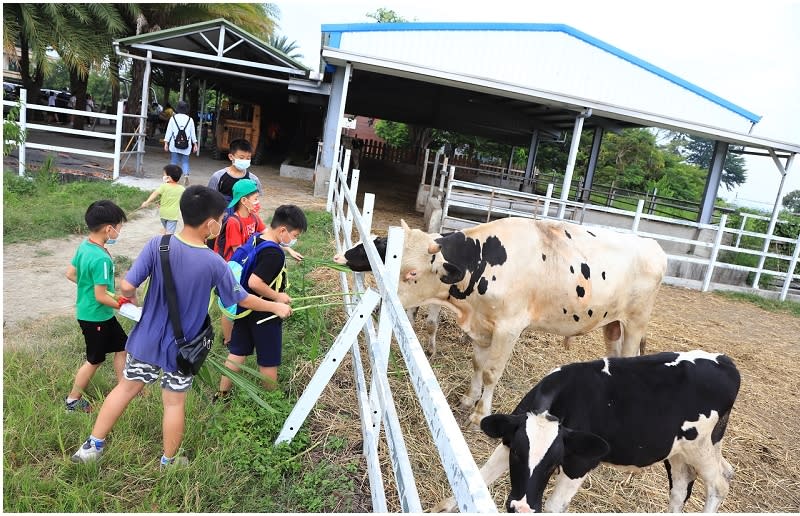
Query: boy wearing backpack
point(236, 229)
point(267, 278)
point(152, 349)
point(180, 139)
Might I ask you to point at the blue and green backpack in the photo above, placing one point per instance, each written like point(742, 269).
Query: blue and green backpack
point(241, 264)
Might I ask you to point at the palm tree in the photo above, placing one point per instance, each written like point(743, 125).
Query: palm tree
point(282, 44)
point(76, 31)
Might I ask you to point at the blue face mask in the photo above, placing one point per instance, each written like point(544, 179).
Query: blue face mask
point(112, 241)
point(241, 164)
point(290, 243)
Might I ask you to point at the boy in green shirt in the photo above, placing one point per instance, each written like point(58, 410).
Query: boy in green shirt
point(92, 270)
point(170, 193)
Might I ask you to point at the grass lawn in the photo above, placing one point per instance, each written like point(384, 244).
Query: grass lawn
point(234, 465)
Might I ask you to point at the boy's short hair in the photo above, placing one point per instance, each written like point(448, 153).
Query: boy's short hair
point(240, 145)
point(103, 212)
point(199, 202)
point(290, 216)
point(174, 171)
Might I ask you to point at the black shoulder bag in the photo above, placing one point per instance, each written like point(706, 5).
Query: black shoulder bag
point(192, 353)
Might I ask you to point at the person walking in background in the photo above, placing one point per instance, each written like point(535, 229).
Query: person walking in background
point(51, 102)
point(170, 193)
point(180, 138)
point(152, 347)
point(92, 270)
point(223, 180)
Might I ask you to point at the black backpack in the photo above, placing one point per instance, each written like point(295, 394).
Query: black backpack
point(220, 240)
point(181, 140)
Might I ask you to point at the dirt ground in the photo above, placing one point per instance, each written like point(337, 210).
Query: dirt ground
point(761, 442)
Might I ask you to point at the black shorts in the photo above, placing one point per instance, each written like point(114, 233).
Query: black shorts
point(266, 339)
point(102, 338)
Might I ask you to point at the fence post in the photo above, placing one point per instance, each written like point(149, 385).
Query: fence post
point(790, 270)
point(638, 216)
point(741, 228)
point(118, 140)
point(547, 195)
point(446, 204)
point(714, 252)
point(23, 120)
point(425, 167)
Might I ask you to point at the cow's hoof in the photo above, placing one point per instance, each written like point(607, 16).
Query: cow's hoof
point(475, 421)
point(448, 505)
point(468, 402)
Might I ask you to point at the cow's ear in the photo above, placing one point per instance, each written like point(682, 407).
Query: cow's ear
point(404, 225)
point(501, 425)
point(585, 444)
point(454, 274)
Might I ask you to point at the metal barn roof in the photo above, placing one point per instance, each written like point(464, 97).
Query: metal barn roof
point(529, 75)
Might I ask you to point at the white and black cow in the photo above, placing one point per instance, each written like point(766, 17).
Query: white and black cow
point(625, 412)
point(510, 274)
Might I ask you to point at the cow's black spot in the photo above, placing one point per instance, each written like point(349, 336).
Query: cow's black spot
point(494, 278)
point(604, 315)
point(571, 269)
point(590, 313)
point(482, 286)
point(585, 270)
point(467, 258)
point(493, 251)
point(580, 290)
point(544, 257)
point(565, 310)
point(576, 318)
point(689, 435)
point(591, 233)
point(568, 235)
point(603, 274)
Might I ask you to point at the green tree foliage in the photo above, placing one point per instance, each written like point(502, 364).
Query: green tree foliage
point(699, 151)
point(283, 44)
point(791, 201)
point(383, 15)
point(393, 133)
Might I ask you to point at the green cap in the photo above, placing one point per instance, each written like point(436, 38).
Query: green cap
point(242, 188)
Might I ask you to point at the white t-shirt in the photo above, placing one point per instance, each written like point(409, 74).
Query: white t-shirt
point(51, 101)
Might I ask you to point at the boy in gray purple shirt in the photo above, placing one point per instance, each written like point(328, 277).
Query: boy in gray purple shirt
point(151, 344)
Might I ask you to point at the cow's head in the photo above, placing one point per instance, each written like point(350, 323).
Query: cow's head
point(420, 268)
point(538, 444)
point(356, 258)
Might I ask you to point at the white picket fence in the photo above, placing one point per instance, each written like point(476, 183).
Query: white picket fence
point(374, 395)
point(486, 202)
point(116, 119)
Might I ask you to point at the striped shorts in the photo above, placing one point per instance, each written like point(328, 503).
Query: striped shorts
point(148, 373)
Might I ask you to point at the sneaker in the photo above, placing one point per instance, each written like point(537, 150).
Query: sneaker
point(175, 462)
point(87, 453)
point(79, 405)
point(224, 396)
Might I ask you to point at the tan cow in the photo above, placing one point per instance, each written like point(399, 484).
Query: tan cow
point(504, 276)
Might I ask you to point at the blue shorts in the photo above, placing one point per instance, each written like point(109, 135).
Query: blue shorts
point(169, 225)
point(266, 339)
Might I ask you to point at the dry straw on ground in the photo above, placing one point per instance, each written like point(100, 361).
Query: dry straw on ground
point(760, 443)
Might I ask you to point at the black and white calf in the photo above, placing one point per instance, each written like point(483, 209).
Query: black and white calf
point(626, 412)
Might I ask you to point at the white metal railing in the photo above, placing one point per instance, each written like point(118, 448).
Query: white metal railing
point(116, 118)
point(490, 201)
point(374, 397)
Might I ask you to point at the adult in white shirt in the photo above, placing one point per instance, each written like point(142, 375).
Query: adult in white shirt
point(51, 101)
point(181, 120)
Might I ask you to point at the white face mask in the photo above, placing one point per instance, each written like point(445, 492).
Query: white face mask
point(241, 164)
point(212, 235)
point(290, 243)
point(112, 241)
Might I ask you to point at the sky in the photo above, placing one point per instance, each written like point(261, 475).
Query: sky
point(745, 52)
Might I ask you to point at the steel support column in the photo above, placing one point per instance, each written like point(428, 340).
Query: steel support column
point(587, 183)
point(529, 166)
point(332, 129)
point(573, 154)
point(142, 126)
point(712, 183)
point(775, 210)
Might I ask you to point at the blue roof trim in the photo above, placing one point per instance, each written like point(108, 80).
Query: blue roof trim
point(336, 31)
